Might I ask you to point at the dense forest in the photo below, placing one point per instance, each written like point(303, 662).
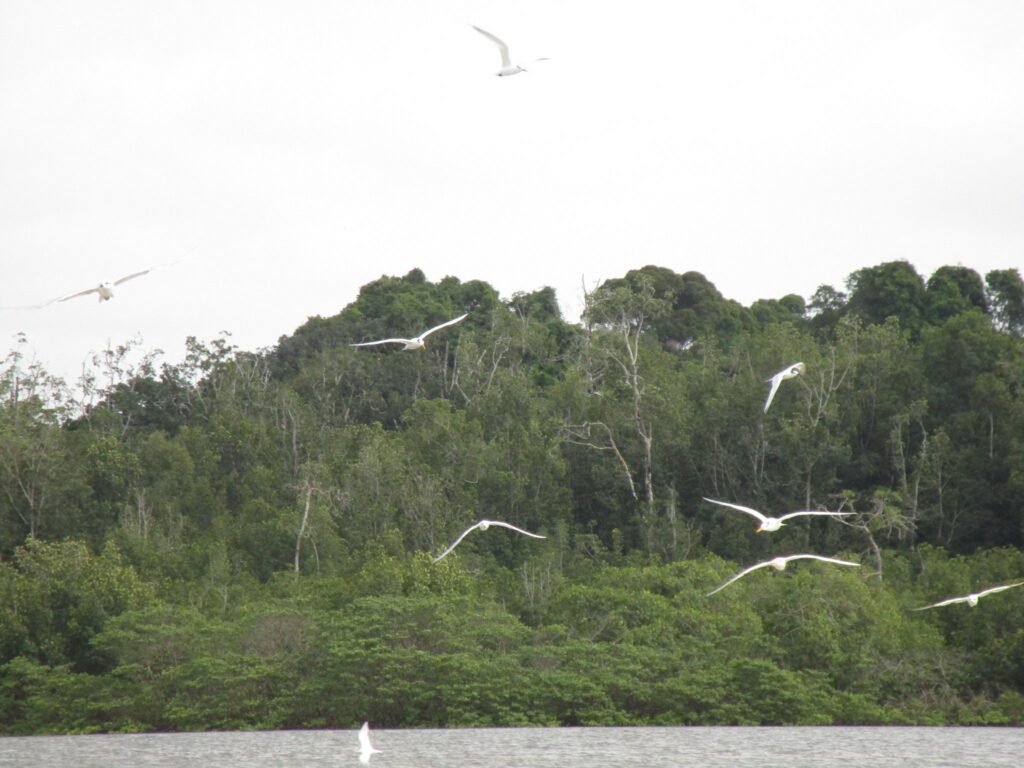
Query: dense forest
point(245, 539)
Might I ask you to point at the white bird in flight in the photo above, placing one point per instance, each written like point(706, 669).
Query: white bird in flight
point(507, 67)
point(418, 342)
point(779, 564)
point(786, 373)
point(104, 290)
point(971, 599)
point(365, 747)
point(483, 525)
point(770, 524)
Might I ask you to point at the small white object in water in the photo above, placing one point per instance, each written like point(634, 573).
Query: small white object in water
point(365, 747)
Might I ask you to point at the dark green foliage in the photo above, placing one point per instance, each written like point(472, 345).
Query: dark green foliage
point(245, 540)
point(952, 290)
point(825, 308)
point(1006, 298)
point(692, 307)
point(60, 596)
point(892, 289)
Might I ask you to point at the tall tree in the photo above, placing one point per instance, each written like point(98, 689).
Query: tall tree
point(892, 289)
point(1006, 297)
point(618, 315)
point(39, 478)
point(952, 290)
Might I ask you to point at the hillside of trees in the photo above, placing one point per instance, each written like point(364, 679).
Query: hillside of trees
point(245, 539)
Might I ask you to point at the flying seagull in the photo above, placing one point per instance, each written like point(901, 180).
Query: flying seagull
point(365, 747)
point(779, 564)
point(507, 67)
point(105, 290)
point(483, 525)
point(971, 599)
point(786, 373)
point(418, 342)
point(773, 523)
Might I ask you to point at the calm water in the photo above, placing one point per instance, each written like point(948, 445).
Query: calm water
point(535, 748)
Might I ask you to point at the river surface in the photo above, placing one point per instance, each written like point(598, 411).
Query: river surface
point(803, 747)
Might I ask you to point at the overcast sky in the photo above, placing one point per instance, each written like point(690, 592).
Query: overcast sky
point(309, 146)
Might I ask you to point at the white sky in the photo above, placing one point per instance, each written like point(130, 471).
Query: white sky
point(310, 146)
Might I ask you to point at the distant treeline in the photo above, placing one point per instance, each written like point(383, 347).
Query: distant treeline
point(244, 539)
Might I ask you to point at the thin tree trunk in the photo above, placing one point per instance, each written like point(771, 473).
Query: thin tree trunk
point(302, 527)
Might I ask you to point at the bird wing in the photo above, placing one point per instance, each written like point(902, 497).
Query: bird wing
point(776, 380)
point(120, 280)
point(132, 276)
point(999, 588)
point(942, 602)
point(814, 512)
point(518, 530)
point(364, 738)
point(456, 542)
point(502, 48)
point(823, 559)
point(740, 507)
point(382, 341)
point(739, 576)
point(75, 295)
point(442, 325)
